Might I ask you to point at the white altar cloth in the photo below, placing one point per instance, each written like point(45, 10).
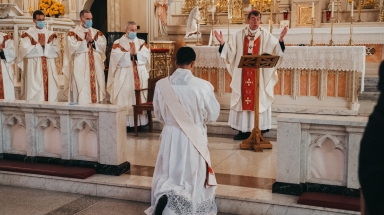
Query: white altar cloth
point(336, 58)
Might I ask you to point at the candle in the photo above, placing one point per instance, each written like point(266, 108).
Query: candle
point(352, 10)
point(313, 9)
point(333, 8)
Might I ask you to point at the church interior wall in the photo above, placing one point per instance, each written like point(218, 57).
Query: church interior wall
point(134, 10)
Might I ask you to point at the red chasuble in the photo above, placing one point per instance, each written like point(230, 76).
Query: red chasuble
point(248, 78)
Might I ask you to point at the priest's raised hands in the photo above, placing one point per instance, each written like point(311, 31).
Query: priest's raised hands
point(283, 33)
point(219, 37)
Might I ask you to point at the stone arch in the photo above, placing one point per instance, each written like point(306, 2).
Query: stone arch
point(88, 4)
point(15, 135)
point(85, 140)
point(327, 159)
point(48, 137)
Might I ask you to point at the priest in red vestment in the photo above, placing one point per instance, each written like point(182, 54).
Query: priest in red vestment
point(251, 40)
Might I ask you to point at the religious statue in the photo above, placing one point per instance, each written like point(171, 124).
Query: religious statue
point(161, 8)
point(193, 24)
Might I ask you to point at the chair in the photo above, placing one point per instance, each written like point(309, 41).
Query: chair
point(147, 106)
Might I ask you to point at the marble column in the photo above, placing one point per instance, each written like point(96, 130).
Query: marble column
point(114, 21)
point(65, 132)
point(355, 134)
point(30, 124)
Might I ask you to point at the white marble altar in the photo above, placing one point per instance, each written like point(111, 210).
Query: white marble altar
point(315, 80)
point(319, 149)
point(80, 132)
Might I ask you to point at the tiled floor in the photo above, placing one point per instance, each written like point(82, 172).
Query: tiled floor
point(232, 166)
point(25, 201)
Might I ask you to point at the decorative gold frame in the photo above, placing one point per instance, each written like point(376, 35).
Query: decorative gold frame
point(304, 15)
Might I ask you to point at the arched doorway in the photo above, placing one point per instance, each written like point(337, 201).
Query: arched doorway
point(99, 11)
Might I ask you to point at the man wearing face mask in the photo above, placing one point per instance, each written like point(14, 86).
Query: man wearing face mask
point(128, 70)
point(83, 62)
point(38, 49)
point(252, 40)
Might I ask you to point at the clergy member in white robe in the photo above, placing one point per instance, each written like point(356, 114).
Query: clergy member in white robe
point(183, 181)
point(7, 54)
point(128, 71)
point(83, 62)
point(38, 49)
point(251, 40)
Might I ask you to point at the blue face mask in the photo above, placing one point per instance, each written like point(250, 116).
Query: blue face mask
point(88, 23)
point(40, 24)
point(132, 35)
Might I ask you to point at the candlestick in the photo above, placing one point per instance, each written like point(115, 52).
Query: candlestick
point(278, 11)
point(338, 10)
point(350, 43)
point(313, 9)
point(312, 43)
point(331, 43)
point(213, 34)
point(359, 7)
point(333, 9)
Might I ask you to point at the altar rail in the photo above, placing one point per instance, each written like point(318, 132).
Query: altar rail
point(318, 150)
point(93, 133)
point(315, 80)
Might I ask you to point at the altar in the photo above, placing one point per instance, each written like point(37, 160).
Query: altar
point(315, 80)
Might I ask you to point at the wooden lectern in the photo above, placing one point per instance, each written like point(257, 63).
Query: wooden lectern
point(256, 140)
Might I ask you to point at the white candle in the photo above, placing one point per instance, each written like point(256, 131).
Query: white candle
point(352, 10)
point(333, 8)
point(313, 9)
point(229, 10)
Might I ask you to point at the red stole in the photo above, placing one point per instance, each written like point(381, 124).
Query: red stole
point(92, 71)
point(135, 71)
point(44, 68)
point(248, 78)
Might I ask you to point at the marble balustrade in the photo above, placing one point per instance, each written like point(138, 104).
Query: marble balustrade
point(319, 150)
point(94, 133)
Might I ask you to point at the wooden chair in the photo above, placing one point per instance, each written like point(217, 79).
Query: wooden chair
point(147, 106)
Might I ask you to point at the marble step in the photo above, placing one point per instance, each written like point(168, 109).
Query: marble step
point(369, 96)
point(229, 199)
point(221, 128)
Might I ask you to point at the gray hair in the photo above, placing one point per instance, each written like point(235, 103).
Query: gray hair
point(129, 23)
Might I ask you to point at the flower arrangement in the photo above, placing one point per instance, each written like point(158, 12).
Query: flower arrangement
point(52, 8)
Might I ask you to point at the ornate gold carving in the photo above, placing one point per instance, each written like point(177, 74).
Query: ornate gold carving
point(188, 6)
point(224, 6)
point(237, 12)
point(305, 15)
point(161, 62)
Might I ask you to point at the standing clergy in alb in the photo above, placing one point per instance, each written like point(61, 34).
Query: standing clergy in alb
point(36, 58)
point(128, 71)
point(7, 55)
point(83, 62)
point(183, 181)
point(252, 40)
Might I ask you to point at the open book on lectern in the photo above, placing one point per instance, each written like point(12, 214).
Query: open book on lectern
point(264, 60)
